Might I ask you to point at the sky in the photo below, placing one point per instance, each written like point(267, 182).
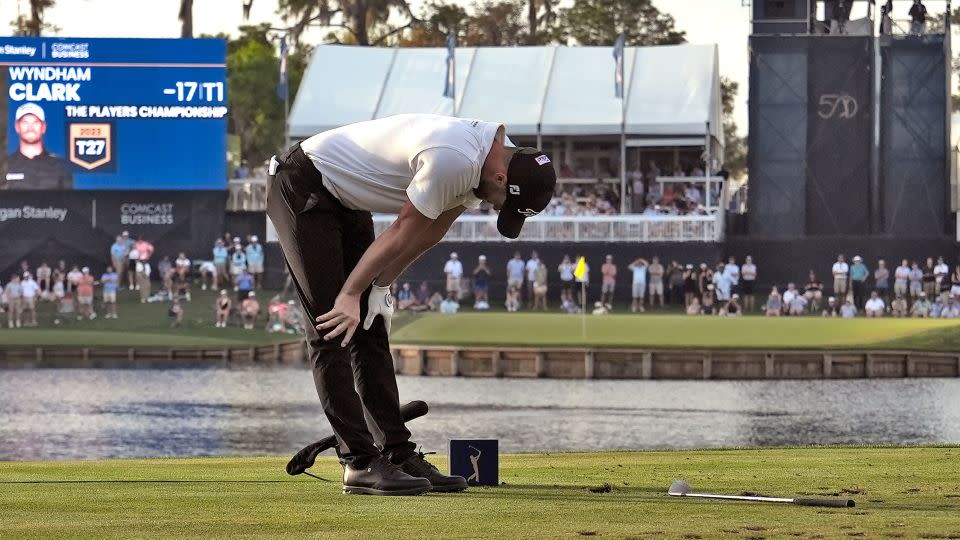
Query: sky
point(723, 22)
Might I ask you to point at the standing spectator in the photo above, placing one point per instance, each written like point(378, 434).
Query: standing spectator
point(566, 268)
point(166, 271)
point(813, 292)
point(709, 300)
point(183, 266)
point(220, 256)
point(704, 278)
point(732, 271)
point(929, 279)
point(721, 283)
point(118, 254)
point(918, 17)
point(609, 282)
point(481, 284)
point(222, 308)
point(450, 304)
point(858, 279)
point(110, 281)
point(874, 307)
point(29, 291)
point(515, 268)
point(901, 278)
point(14, 296)
point(848, 310)
point(881, 280)
point(249, 308)
point(916, 281)
point(841, 271)
point(921, 306)
point(675, 283)
point(144, 249)
point(453, 268)
point(774, 303)
point(43, 278)
point(531, 275)
point(832, 309)
point(175, 314)
point(255, 258)
point(690, 286)
point(73, 278)
point(655, 277)
point(951, 310)
point(899, 306)
point(60, 274)
point(133, 257)
point(540, 287)
point(583, 290)
point(143, 271)
point(748, 281)
point(238, 262)
point(244, 284)
point(941, 273)
point(639, 283)
point(85, 295)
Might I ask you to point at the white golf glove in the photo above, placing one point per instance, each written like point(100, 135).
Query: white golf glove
point(379, 303)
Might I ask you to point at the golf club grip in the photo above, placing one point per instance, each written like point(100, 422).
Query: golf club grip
point(832, 503)
point(410, 411)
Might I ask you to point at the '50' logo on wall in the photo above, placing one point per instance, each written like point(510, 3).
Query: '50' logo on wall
point(842, 105)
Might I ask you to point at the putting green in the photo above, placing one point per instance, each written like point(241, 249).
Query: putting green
point(676, 331)
point(900, 492)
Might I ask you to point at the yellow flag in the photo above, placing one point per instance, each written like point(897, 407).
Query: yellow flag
point(581, 268)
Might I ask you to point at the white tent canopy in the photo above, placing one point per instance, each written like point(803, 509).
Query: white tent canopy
point(671, 91)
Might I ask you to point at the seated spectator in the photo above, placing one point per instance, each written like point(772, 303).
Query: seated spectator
point(435, 301)
point(175, 314)
point(899, 306)
point(405, 297)
point(774, 303)
point(798, 304)
point(952, 309)
point(424, 294)
point(208, 274)
point(450, 304)
point(243, 283)
point(936, 307)
point(567, 303)
point(181, 288)
point(249, 310)
point(921, 308)
point(832, 309)
point(732, 307)
point(222, 309)
point(874, 307)
point(182, 266)
point(512, 302)
point(694, 307)
point(600, 309)
point(788, 296)
point(848, 310)
point(276, 314)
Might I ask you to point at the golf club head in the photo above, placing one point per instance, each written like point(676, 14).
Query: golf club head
point(679, 487)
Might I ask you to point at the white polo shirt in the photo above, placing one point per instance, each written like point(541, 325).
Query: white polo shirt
point(875, 304)
point(377, 165)
point(453, 268)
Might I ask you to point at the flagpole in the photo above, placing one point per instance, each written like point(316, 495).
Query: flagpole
point(583, 312)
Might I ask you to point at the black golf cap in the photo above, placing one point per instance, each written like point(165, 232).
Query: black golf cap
point(530, 182)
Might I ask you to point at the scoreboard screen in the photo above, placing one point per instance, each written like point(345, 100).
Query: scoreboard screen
point(103, 114)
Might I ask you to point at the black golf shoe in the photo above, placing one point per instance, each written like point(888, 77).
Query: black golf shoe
point(415, 464)
point(381, 477)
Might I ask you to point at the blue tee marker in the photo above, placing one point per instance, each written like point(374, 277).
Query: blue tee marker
point(477, 460)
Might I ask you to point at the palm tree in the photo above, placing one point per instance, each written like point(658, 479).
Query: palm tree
point(186, 18)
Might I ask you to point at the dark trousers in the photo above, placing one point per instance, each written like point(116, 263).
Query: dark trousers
point(322, 241)
point(859, 293)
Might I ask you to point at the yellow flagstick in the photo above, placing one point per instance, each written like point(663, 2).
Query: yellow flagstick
point(579, 272)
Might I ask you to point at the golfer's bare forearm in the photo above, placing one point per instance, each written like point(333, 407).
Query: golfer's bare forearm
point(418, 247)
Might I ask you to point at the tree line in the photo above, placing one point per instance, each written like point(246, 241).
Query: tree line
point(257, 112)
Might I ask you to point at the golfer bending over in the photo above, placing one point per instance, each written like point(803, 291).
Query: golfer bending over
point(428, 169)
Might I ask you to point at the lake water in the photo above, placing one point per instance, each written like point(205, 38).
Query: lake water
point(81, 414)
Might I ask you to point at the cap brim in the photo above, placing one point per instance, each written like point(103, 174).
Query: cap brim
point(510, 223)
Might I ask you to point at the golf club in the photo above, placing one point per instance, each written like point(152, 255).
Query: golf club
point(681, 488)
point(305, 458)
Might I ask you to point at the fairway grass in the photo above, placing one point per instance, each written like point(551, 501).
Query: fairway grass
point(900, 493)
point(676, 331)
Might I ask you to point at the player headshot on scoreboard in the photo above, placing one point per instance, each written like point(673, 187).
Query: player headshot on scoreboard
point(32, 166)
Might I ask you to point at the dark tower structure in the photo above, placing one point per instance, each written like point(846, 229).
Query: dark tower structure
point(849, 121)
